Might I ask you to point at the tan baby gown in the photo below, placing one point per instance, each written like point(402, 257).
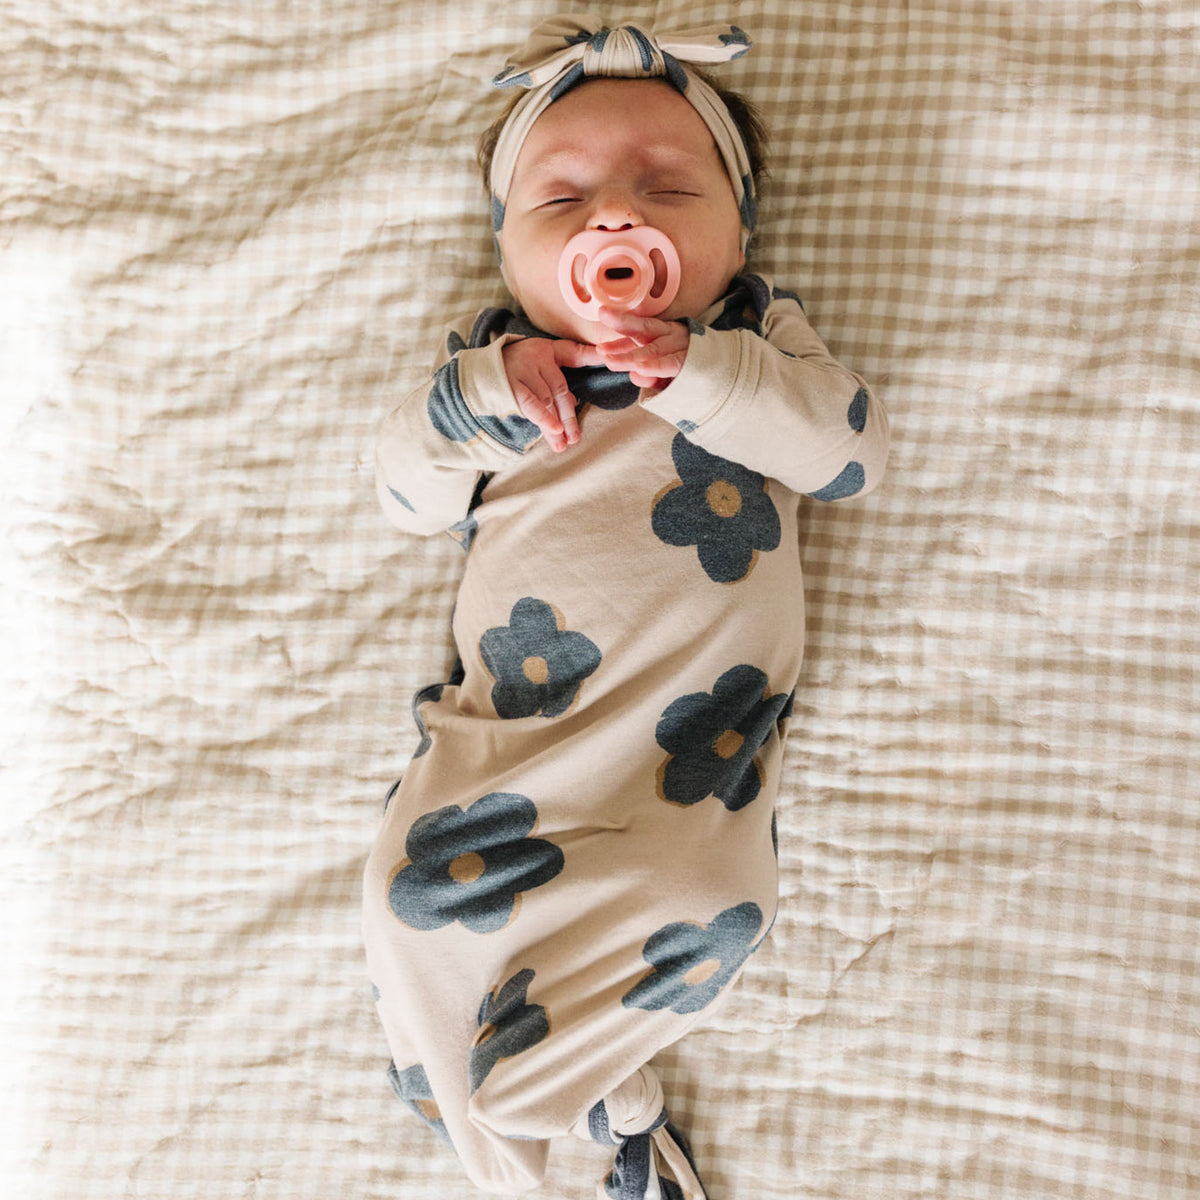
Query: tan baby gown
point(580, 857)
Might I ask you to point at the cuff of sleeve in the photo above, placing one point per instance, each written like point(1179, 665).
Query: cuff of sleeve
point(708, 387)
point(484, 382)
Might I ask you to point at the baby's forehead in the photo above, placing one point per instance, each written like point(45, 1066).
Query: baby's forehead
point(646, 117)
point(580, 158)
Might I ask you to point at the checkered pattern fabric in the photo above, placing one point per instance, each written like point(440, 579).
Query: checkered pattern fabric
point(231, 235)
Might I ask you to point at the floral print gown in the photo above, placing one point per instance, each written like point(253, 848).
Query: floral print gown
point(580, 857)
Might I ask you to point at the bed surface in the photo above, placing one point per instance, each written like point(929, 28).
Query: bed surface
point(230, 235)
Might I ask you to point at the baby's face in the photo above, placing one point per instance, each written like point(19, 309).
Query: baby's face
point(613, 153)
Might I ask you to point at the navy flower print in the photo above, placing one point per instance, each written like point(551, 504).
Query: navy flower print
point(691, 963)
point(713, 740)
point(852, 478)
point(721, 508)
point(508, 1025)
point(856, 414)
point(746, 303)
point(778, 293)
point(472, 865)
point(849, 482)
point(412, 1086)
point(537, 664)
point(737, 37)
point(401, 500)
point(432, 694)
point(602, 388)
point(452, 417)
point(464, 531)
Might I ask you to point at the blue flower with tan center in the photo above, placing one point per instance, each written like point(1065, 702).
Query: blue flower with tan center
point(412, 1086)
point(472, 865)
point(713, 740)
point(721, 508)
point(690, 963)
point(538, 665)
point(508, 1026)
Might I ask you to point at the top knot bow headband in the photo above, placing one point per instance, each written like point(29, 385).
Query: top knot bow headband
point(563, 52)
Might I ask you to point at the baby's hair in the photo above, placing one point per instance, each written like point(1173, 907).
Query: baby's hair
point(745, 116)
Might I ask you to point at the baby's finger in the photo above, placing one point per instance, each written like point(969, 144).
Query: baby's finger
point(562, 403)
point(540, 409)
point(605, 350)
point(566, 414)
point(628, 352)
point(661, 358)
point(646, 381)
point(641, 329)
point(576, 354)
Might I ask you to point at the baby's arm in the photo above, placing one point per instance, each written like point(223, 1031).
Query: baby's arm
point(779, 404)
point(451, 428)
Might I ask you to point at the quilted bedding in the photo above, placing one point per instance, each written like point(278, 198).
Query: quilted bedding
point(229, 237)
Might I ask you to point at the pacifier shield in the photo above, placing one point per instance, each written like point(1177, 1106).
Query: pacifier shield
point(632, 270)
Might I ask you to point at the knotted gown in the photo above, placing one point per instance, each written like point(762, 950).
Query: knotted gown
point(580, 856)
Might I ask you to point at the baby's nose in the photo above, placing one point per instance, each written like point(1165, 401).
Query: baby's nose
point(613, 212)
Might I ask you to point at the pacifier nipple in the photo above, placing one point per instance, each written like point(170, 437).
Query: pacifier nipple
point(632, 270)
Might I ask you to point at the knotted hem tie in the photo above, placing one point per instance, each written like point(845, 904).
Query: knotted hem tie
point(653, 1161)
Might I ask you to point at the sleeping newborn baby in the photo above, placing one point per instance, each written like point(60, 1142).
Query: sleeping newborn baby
point(580, 857)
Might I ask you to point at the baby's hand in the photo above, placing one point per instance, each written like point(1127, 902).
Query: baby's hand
point(652, 351)
point(534, 368)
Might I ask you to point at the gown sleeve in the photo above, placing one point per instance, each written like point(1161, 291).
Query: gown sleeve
point(452, 428)
point(779, 404)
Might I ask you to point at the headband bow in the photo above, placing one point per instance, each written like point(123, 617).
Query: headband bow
point(564, 51)
point(564, 45)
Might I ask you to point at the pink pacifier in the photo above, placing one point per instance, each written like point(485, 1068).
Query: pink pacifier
point(627, 269)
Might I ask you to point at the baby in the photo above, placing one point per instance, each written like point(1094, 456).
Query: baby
point(581, 856)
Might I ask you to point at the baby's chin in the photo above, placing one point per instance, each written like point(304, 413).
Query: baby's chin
point(569, 325)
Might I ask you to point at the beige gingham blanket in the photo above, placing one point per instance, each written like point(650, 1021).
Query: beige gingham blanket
point(226, 227)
